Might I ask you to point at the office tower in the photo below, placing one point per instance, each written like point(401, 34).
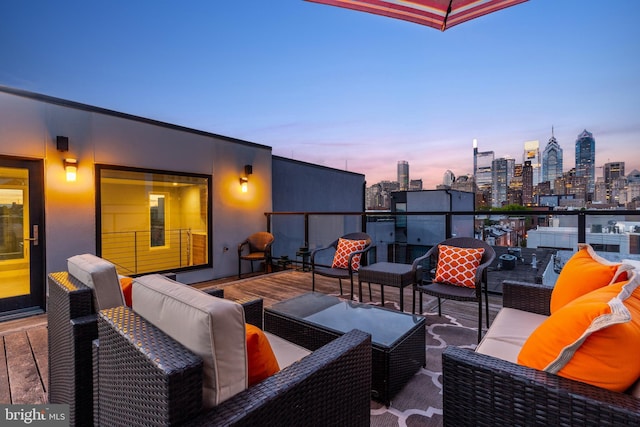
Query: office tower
point(551, 160)
point(612, 171)
point(415, 185)
point(448, 179)
point(532, 154)
point(502, 171)
point(527, 184)
point(586, 160)
point(403, 175)
point(482, 167)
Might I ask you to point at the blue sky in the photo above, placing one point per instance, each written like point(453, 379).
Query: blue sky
point(342, 88)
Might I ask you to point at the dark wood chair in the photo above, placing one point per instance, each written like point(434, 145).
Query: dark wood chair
point(452, 292)
point(259, 247)
point(339, 273)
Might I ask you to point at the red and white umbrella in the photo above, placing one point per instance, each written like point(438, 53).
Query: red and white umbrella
point(439, 14)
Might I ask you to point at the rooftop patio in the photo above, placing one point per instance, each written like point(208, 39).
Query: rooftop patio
point(24, 371)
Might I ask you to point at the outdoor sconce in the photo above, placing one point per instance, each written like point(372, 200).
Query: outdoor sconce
point(244, 180)
point(71, 169)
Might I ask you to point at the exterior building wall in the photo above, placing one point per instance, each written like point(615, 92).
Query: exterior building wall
point(29, 125)
point(305, 187)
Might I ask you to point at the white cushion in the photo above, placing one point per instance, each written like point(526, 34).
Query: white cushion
point(632, 262)
point(508, 333)
point(285, 351)
point(213, 328)
point(101, 276)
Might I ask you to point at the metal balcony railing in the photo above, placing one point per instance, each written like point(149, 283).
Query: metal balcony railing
point(402, 236)
point(132, 251)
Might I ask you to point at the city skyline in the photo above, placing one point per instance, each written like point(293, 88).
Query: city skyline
point(341, 88)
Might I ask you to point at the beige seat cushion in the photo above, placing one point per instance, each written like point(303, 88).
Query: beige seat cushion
point(213, 328)
point(101, 276)
point(508, 333)
point(286, 352)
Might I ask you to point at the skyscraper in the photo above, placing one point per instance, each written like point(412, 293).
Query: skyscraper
point(551, 160)
point(482, 167)
point(586, 160)
point(612, 171)
point(527, 184)
point(532, 154)
point(403, 175)
point(502, 171)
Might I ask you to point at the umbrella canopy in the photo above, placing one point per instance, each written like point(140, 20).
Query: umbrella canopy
point(440, 14)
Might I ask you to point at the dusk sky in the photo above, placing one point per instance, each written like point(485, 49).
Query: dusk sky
point(341, 88)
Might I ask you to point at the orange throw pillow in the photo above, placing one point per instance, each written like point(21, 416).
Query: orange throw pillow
point(593, 339)
point(345, 248)
point(584, 272)
point(458, 266)
point(261, 361)
point(126, 286)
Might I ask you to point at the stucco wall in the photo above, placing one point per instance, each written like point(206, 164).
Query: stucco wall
point(29, 124)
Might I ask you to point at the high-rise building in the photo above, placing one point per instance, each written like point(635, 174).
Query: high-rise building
point(532, 154)
point(415, 185)
point(448, 179)
point(502, 172)
point(586, 160)
point(551, 160)
point(403, 175)
point(612, 171)
point(482, 171)
point(527, 184)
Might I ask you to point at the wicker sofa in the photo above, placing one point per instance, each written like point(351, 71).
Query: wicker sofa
point(115, 368)
point(331, 386)
point(479, 389)
point(72, 325)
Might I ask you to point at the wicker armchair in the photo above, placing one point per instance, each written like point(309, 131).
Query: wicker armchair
point(339, 273)
point(480, 390)
point(163, 385)
point(72, 327)
point(259, 249)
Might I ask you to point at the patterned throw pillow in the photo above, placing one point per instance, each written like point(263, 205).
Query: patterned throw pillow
point(345, 248)
point(593, 339)
point(584, 272)
point(457, 266)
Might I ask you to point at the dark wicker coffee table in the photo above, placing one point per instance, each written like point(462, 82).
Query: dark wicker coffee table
point(398, 339)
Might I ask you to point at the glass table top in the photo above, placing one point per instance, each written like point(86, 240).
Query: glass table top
point(385, 326)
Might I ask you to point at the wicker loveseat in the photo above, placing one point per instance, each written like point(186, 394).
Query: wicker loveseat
point(116, 368)
point(72, 326)
point(479, 389)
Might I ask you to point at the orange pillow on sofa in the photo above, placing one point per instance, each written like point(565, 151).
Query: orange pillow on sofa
point(345, 248)
point(457, 266)
point(261, 361)
point(125, 285)
point(584, 272)
point(593, 339)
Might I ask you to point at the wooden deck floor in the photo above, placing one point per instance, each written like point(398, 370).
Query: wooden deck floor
point(24, 370)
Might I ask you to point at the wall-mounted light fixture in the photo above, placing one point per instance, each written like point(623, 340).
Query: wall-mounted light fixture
point(244, 180)
point(71, 169)
point(62, 143)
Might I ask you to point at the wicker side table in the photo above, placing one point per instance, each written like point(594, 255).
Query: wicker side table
point(387, 274)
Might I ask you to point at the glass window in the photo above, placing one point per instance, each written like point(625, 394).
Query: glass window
point(151, 221)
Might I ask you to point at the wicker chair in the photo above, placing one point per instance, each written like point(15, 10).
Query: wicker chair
point(72, 327)
point(481, 390)
point(259, 246)
point(339, 273)
point(163, 386)
point(458, 293)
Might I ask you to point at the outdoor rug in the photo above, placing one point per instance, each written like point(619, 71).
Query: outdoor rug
point(419, 403)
